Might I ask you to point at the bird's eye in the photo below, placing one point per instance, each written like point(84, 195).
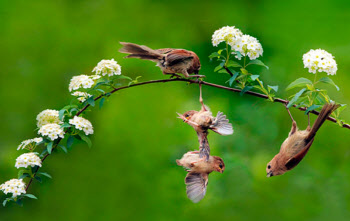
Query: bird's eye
point(268, 167)
point(220, 166)
point(187, 115)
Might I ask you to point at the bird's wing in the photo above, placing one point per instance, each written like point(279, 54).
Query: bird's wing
point(178, 56)
point(204, 149)
point(295, 160)
point(221, 125)
point(196, 186)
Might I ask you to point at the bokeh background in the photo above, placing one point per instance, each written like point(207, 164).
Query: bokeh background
point(130, 173)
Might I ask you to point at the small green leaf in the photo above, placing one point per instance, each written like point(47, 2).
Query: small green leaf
point(233, 64)
point(91, 101)
point(49, 147)
point(275, 88)
point(124, 77)
point(100, 90)
point(222, 71)
point(327, 80)
point(254, 77)
point(311, 108)
point(213, 55)
point(101, 102)
point(295, 98)
point(70, 141)
point(45, 174)
point(24, 176)
point(69, 107)
point(38, 179)
point(245, 89)
point(30, 196)
point(238, 55)
point(19, 202)
point(219, 67)
point(63, 148)
point(300, 82)
point(4, 202)
point(86, 139)
point(257, 62)
point(233, 78)
point(61, 114)
point(65, 125)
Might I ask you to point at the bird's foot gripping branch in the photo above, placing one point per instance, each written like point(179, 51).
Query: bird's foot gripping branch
point(58, 130)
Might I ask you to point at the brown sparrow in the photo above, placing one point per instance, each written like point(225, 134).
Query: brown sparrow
point(198, 171)
point(297, 144)
point(202, 121)
point(170, 61)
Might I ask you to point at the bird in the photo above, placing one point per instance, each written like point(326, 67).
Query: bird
point(198, 171)
point(297, 144)
point(204, 120)
point(169, 60)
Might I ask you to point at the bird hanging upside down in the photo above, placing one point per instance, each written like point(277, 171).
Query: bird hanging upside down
point(297, 144)
point(171, 61)
point(198, 171)
point(204, 120)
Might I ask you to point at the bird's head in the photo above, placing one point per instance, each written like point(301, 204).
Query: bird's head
point(219, 164)
point(274, 167)
point(188, 115)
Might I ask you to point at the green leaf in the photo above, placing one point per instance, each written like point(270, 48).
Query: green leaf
point(86, 139)
point(63, 148)
point(101, 102)
point(233, 64)
point(61, 114)
point(49, 147)
point(238, 55)
point(124, 77)
point(300, 82)
point(65, 125)
point(275, 88)
point(245, 89)
point(38, 179)
point(222, 71)
point(327, 80)
point(295, 98)
point(257, 62)
point(30, 196)
point(70, 141)
point(45, 174)
point(100, 90)
point(91, 101)
point(219, 67)
point(69, 107)
point(233, 78)
point(213, 55)
point(4, 202)
point(24, 175)
point(311, 108)
point(254, 77)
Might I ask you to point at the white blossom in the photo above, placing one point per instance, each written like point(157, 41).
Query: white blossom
point(82, 124)
point(248, 45)
point(53, 131)
point(30, 144)
point(28, 159)
point(14, 186)
point(321, 61)
point(82, 81)
point(107, 67)
point(230, 34)
point(82, 96)
point(48, 117)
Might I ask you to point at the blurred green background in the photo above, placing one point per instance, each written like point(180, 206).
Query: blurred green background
point(130, 173)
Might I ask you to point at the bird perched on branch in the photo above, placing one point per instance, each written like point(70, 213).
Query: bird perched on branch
point(170, 61)
point(297, 144)
point(198, 171)
point(204, 120)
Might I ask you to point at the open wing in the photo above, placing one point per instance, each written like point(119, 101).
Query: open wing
point(196, 186)
point(221, 125)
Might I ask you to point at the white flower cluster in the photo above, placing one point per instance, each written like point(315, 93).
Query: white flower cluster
point(28, 159)
point(48, 117)
point(228, 34)
point(82, 124)
point(82, 81)
point(107, 67)
point(14, 186)
point(320, 60)
point(245, 44)
point(82, 96)
point(248, 45)
point(53, 131)
point(30, 144)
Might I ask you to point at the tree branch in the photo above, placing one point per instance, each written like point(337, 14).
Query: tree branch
point(255, 94)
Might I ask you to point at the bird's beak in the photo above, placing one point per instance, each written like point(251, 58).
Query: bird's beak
point(220, 170)
point(269, 174)
point(182, 117)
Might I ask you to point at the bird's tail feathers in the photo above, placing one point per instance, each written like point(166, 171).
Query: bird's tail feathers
point(140, 51)
point(222, 125)
point(324, 114)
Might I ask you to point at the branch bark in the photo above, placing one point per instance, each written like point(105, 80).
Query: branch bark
point(255, 94)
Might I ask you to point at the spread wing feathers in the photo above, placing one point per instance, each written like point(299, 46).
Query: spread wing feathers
point(178, 56)
point(221, 125)
point(196, 186)
point(204, 149)
point(140, 51)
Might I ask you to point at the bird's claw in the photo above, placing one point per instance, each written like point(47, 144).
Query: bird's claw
point(175, 75)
